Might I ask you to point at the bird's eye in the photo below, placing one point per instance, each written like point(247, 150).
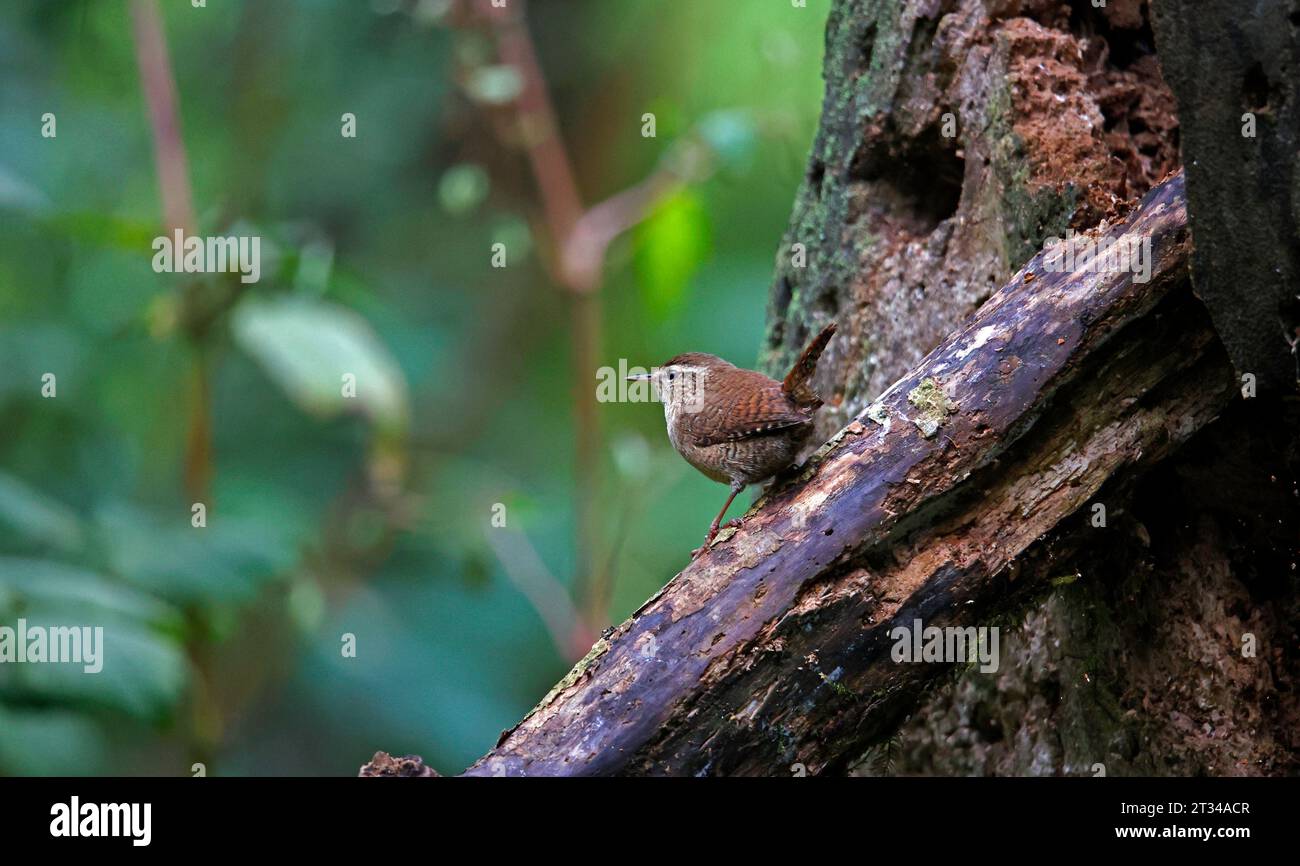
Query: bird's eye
point(672, 376)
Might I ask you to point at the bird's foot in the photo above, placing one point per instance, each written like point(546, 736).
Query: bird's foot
point(733, 523)
point(708, 539)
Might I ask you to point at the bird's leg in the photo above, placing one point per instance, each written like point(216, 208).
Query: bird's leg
point(717, 521)
point(713, 527)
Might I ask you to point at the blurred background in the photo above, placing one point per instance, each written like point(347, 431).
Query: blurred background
point(473, 518)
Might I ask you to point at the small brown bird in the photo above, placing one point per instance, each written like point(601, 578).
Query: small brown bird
point(737, 426)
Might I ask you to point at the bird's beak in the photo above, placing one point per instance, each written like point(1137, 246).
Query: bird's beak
point(638, 377)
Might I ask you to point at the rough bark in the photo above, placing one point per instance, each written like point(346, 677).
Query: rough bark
point(1062, 112)
point(773, 649)
point(1057, 120)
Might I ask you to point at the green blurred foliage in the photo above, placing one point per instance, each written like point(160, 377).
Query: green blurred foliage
point(671, 245)
point(328, 516)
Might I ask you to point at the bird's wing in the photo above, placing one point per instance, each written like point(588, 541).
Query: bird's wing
point(759, 406)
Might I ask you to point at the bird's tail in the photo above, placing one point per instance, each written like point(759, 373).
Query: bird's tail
point(798, 381)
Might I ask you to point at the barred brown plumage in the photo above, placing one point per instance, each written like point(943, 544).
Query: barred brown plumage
point(738, 427)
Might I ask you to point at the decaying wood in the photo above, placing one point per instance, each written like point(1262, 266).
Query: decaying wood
point(773, 648)
point(407, 766)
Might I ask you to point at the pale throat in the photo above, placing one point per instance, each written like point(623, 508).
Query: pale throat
point(671, 393)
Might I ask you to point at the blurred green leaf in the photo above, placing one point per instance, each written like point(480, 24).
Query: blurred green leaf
point(103, 230)
point(670, 246)
point(143, 673)
point(50, 742)
point(28, 582)
point(142, 666)
point(309, 346)
point(226, 562)
point(36, 516)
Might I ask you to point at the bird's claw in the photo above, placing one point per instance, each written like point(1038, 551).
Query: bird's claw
point(708, 539)
point(733, 523)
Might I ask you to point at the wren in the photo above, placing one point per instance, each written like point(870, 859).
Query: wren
point(737, 426)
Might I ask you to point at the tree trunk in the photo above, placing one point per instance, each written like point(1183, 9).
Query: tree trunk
point(1137, 663)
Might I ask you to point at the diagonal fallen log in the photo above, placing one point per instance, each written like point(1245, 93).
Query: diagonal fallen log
point(774, 648)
